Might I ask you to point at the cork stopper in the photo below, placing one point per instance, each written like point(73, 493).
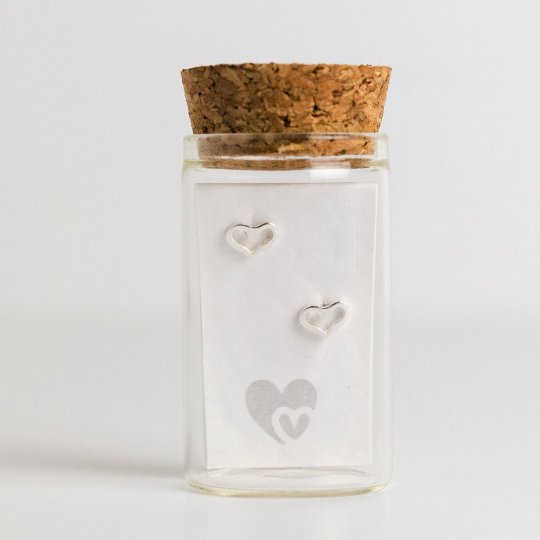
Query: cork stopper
point(288, 98)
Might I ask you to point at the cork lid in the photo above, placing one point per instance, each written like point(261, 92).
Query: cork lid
point(274, 98)
point(288, 98)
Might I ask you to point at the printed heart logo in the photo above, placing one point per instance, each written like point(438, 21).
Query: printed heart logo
point(251, 240)
point(282, 415)
point(325, 319)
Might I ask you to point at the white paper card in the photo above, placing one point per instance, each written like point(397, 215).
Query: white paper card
point(277, 395)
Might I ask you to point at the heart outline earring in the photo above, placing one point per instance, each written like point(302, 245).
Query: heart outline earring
point(310, 318)
point(249, 233)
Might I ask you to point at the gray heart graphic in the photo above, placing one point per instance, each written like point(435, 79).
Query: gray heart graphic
point(294, 431)
point(263, 398)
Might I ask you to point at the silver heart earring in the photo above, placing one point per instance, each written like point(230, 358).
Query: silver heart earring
point(251, 240)
point(324, 319)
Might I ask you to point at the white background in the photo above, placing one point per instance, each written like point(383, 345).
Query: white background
point(92, 116)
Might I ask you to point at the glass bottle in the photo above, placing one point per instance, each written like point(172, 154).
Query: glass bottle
point(286, 313)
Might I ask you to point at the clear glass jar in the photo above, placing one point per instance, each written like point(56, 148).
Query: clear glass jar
point(286, 293)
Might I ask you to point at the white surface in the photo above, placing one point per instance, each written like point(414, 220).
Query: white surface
point(92, 116)
point(466, 459)
point(250, 307)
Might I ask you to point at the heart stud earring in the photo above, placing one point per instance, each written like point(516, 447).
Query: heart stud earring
point(251, 240)
point(325, 319)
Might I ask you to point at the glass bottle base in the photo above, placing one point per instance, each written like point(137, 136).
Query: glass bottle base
point(286, 482)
